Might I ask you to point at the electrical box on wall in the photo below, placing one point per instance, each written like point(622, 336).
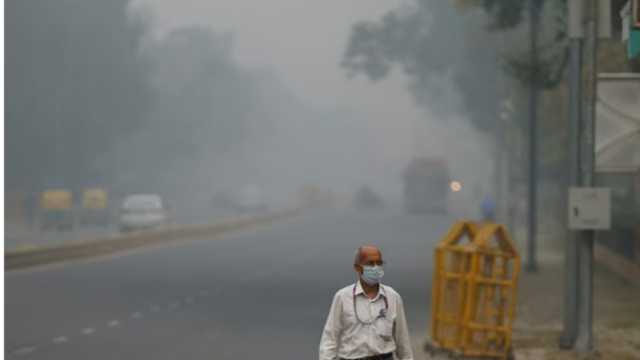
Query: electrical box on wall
point(589, 208)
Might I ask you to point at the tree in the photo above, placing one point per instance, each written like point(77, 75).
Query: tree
point(551, 58)
point(436, 37)
point(435, 45)
point(74, 84)
point(199, 108)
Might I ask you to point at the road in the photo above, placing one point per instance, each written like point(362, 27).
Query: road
point(261, 293)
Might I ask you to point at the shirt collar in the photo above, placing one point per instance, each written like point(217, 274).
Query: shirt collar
point(360, 290)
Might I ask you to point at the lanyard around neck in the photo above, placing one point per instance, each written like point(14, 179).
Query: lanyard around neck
point(382, 312)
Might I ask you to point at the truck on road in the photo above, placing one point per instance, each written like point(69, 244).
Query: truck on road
point(427, 185)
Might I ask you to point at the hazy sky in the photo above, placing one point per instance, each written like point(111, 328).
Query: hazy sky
point(304, 42)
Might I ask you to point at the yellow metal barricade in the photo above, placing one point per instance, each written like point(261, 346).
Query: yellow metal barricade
point(474, 291)
point(449, 288)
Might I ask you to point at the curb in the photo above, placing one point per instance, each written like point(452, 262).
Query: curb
point(45, 255)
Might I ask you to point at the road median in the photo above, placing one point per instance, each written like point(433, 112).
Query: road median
point(45, 255)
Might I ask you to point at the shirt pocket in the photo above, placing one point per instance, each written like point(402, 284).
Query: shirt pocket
point(384, 328)
point(349, 319)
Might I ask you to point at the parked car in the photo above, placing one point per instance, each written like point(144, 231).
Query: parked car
point(142, 211)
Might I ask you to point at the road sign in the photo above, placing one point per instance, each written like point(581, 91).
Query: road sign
point(633, 44)
point(630, 16)
point(589, 208)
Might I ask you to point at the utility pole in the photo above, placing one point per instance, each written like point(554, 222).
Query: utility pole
point(535, 7)
point(502, 159)
point(584, 339)
point(576, 34)
point(578, 305)
point(498, 194)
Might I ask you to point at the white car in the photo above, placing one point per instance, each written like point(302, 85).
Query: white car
point(142, 211)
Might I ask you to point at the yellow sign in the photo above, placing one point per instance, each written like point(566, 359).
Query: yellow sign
point(56, 200)
point(94, 199)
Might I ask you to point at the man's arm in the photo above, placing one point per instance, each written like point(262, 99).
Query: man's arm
point(403, 342)
point(331, 332)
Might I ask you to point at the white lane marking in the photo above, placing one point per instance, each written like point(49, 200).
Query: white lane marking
point(136, 315)
point(60, 340)
point(25, 350)
point(173, 305)
point(155, 308)
point(113, 323)
point(88, 331)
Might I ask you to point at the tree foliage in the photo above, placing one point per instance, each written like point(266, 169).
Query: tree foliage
point(200, 106)
point(74, 83)
point(553, 52)
point(91, 99)
point(436, 37)
point(437, 47)
point(505, 15)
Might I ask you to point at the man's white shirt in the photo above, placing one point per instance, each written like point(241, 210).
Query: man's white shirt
point(344, 337)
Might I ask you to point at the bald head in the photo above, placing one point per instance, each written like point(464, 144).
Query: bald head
point(367, 253)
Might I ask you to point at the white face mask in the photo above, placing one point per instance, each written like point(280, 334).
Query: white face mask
point(372, 274)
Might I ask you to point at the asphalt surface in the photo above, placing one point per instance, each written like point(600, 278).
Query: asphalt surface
point(261, 293)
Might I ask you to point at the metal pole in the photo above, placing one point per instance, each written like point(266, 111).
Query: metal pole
point(503, 159)
point(57, 149)
point(584, 341)
point(498, 194)
point(568, 337)
point(534, 25)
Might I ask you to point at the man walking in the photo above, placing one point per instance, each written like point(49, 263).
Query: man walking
point(366, 320)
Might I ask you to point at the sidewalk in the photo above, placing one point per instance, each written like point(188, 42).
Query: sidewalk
point(539, 314)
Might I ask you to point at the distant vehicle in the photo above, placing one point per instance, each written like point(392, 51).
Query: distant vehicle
point(366, 198)
point(56, 210)
point(313, 196)
point(249, 199)
point(427, 185)
point(95, 207)
point(142, 211)
point(222, 200)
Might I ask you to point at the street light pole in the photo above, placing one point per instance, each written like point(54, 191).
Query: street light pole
point(584, 340)
point(535, 7)
point(576, 34)
point(578, 306)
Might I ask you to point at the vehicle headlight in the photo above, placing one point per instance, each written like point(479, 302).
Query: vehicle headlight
point(455, 186)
